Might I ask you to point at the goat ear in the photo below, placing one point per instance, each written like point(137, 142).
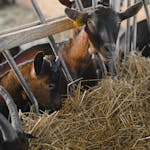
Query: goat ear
point(131, 11)
point(38, 63)
point(67, 3)
point(79, 18)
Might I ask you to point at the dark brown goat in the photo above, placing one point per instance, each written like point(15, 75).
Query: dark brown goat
point(12, 135)
point(102, 27)
point(78, 59)
point(41, 76)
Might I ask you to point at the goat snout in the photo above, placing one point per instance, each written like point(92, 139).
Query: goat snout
point(109, 51)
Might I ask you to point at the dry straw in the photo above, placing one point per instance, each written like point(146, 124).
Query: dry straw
point(115, 115)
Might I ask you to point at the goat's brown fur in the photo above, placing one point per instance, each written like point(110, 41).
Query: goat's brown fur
point(39, 85)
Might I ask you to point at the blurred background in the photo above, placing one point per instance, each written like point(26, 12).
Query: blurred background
point(14, 13)
point(20, 12)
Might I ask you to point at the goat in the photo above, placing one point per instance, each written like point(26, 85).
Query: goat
point(42, 77)
point(73, 54)
point(102, 27)
point(77, 56)
point(12, 135)
point(142, 39)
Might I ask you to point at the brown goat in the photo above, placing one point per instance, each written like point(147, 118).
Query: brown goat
point(95, 24)
point(102, 27)
point(78, 59)
point(85, 3)
point(42, 76)
point(75, 53)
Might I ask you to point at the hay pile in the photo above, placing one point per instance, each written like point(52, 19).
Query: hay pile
point(115, 115)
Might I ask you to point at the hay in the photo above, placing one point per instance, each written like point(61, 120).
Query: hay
point(115, 115)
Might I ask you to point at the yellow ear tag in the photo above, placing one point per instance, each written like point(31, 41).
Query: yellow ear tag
point(78, 23)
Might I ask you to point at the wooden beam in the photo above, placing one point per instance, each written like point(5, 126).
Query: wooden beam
point(30, 34)
point(35, 23)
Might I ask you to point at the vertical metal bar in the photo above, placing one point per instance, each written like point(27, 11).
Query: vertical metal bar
point(94, 4)
point(21, 79)
point(118, 6)
point(127, 35)
point(15, 121)
point(134, 31)
point(110, 3)
point(115, 4)
point(54, 47)
point(147, 14)
point(79, 5)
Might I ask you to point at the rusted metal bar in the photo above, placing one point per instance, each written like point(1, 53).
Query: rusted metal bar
point(20, 78)
point(55, 49)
